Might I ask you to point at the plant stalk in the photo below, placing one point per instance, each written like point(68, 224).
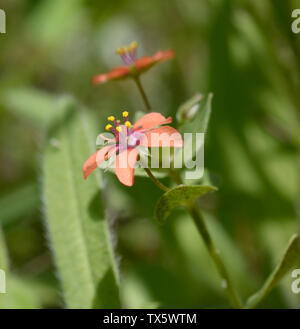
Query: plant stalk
point(193, 209)
point(226, 282)
point(156, 181)
point(143, 94)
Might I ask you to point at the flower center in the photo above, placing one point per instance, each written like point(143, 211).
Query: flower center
point(125, 137)
point(134, 139)
point(128, 53)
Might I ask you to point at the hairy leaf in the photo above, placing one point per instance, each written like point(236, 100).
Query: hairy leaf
point(74, 210)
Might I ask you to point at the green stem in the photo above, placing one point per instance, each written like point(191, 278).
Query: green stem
point(142, 91)
point(195, 213)
point(175, 176)
point(226, 282)
point(156, 181)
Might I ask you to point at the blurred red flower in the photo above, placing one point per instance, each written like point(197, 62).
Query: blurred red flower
point(133, 66)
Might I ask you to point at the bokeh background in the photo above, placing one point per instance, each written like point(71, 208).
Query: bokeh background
point(241, 50)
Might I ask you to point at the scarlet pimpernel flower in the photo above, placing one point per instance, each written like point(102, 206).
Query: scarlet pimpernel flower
point(148, 131)
point(133, 66)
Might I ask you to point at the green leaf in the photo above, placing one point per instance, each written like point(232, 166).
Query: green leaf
point(289, 259)
point(18, 295)
point(135, 293)
point(3, 252)
point(44, 289)
point(74, 210)
point(189, 109)
point(32, 104)
point(193, 151)
point(205, 114)
point(18, 203)
point(51, 17)
point(179, 196)
point(273, 236)
point(201, 120)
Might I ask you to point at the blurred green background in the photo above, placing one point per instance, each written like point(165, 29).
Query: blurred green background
point(242, 51)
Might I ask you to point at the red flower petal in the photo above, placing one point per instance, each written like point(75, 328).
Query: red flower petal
point(146, 62)
point(114, 74)
point(151, 120)
point(163, 55)
point(125, 163)
point(165, 136)
point(96, 159)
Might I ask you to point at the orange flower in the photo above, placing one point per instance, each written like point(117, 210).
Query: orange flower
point(133, 66)
point(146, 132)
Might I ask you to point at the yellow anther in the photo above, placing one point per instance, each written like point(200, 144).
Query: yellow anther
point(128, 124)
point(125, 114)
point(121, 51)
point(133, 45)
point(108, 127)
point(119, 129)
point(118, 121)
point(111, 118)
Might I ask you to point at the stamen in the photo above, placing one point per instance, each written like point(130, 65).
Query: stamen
point(133, 46)
point(111, 118)
point(128, 124)
point(121, 51)
point(108, 127)
point(132, 50)
point(119, 129)
point(128, 54)
point(125, 114)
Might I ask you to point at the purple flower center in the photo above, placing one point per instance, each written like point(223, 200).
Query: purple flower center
point(128, 54)
point(128, 139)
